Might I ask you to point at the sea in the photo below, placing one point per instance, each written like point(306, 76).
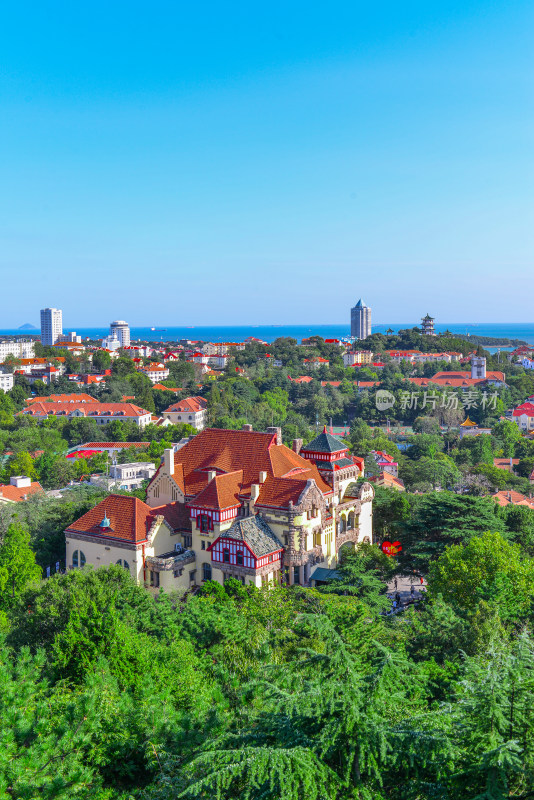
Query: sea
point(268, 333)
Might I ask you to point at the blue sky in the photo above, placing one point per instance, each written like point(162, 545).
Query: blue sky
point(219, 163)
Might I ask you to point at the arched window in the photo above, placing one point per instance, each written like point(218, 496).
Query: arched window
point(78, 559)
point(123, 563)
point(206, 572)
point(226, 555)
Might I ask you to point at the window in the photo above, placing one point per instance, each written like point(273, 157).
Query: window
point(206, 572)
point(226, 555)
point(204, 523)
point(239, 557)
point(154, 579)
point(188, 539)
point(203, 545)
point(270, 559)
point(123, 563)
point(78, 559)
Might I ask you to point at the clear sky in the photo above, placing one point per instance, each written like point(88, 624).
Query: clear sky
point(226, 163)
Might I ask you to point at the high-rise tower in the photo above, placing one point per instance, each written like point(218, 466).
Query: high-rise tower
point(51, 325)
point(119, 329)
point(360, 320)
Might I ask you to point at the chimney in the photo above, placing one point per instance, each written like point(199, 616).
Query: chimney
point(297, 445)
point(168, 461)
point(254, 492)
point(211, 475)
point(277, 432)
point(247, 427)
point(263, 476)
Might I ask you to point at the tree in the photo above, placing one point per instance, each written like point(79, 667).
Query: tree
point(486, 568)
point(507, 434)
point(440, 519)
point(17, 564)
point(101, 360)
point(363, 573)
point(22, 464)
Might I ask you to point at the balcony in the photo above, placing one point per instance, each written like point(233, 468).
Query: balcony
point(170, 561)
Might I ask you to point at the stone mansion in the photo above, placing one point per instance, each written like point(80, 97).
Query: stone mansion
point(232, 504)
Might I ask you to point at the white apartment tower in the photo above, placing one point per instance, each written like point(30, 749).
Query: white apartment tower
point(120, 330)
point(51, 325)
point(360, 320)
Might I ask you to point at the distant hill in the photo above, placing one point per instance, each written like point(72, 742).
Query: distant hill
point(27, 327)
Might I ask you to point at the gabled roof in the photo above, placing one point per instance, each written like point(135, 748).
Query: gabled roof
point(192, 404)
point(256, 534)
point(325, 443)
point(221, 492)
point(279, 492)
point(128, 518)
point(230, 451)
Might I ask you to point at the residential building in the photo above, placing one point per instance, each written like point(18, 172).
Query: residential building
point(427, 325)
point(19, 488)
point(6, 380)
point(352, 357)
point(155, 372)
point(231, 504)
point(51, 325)
point(385, 462)
point(125, 476)
point(119, 329)
point(125, 531)
point(16, 348)
point(360, 320)
point(507, 497)
point(388, 481)
point(461, 380)
point(507, 464)
point(102, 413)
point(192, 411)
point(523, 416)
point(70, 338)
point(316, 363)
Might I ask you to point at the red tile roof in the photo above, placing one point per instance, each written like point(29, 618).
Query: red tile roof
point(193, 404)
point(229, 451)
point(94, 409)
point(221, 492)
point(129, 519)
point(79, 397)
point(18, 493)
point(278, 492)
point(507, 497)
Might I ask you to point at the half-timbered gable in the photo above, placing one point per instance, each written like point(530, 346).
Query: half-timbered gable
point(248, 547)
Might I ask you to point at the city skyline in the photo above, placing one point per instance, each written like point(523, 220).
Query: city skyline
point(207, 162)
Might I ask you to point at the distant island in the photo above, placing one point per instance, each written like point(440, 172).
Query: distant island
point(27, 327)
point(490, 340)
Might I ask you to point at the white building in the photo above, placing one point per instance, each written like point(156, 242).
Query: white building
point(71, 337)
point(51, 325)
point(155, 372)
point(6, 381)
point(125, 476)
point(120, 330)
point(18, 348)
point(191, 411)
